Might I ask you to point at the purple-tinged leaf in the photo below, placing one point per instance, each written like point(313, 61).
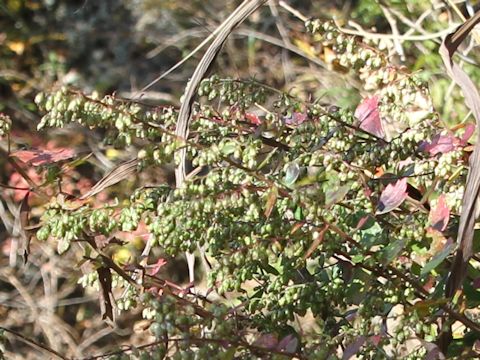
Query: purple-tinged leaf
point(476, 283)
point(288, 344)
point(393, 196)
point(369, 116)
point(375, 339)
point(362, 222)
point(353, 348)
point(433, 352)
point(476, 346)
point(267, 341)
point(439, 214)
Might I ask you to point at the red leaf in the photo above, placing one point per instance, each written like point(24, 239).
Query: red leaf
point(440, 144)
point(440, 214)
point(469, 130)
point(296, 118)
point(369, 116)
point(375, 339)
point(253, 119)
point(153, 269)
point(37, 157)
point(392, 196)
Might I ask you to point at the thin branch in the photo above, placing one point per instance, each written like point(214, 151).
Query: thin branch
point(371, 35)
point(34, 343)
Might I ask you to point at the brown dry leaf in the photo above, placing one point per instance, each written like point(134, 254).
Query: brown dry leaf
point(24, 219)
point(472, 188)
point(316, 242)
point(296, 227)
point(106, 296)
point(271, 200)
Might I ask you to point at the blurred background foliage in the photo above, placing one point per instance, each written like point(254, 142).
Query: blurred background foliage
point(122, 45)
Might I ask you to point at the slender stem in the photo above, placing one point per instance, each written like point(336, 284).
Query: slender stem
point(34, 343)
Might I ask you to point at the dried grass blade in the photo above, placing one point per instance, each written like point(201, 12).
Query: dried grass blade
point(116, 175)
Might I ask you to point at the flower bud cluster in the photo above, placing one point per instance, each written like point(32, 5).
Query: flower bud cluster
point(287, 200)
point(126, 120)
point(5, 124)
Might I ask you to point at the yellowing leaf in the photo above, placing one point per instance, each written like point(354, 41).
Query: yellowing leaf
point(17, 47)
point(329, 55)
point(305, 47)
point(112, 154)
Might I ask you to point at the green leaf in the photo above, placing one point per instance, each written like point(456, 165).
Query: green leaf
point(437, 259)
point(298, 213)
point(336, 194)
point(292, 173)
point(63, 245)
point(356, 259)
point(371, 235)
point(229, 354)
point(392, 250)
point(228, 148)
point(472, 294)
point(270, 269)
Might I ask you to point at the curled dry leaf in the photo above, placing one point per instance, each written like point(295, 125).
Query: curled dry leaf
point(472, 189)
point(106, 296)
